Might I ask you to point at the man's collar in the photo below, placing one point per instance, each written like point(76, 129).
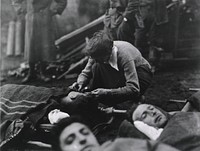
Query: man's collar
point(113, 58)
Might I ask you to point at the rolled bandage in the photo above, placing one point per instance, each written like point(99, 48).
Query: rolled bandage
point(149, 131)
point(56, 115)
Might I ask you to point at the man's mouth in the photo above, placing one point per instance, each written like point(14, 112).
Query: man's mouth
point(87, 148)
point(158, 118)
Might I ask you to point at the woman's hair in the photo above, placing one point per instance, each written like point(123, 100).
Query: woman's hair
point(60, 126)
point(99, 45)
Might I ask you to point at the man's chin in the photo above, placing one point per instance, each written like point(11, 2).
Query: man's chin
point(163, 124)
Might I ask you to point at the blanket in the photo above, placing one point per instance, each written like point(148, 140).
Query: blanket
point(128, 130)
point(21, 108)
point(125, 144)
point(16, 100)
point(183, 131)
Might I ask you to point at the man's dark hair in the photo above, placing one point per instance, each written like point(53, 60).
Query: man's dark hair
point(60, 126)
point(131, 111)
point(99, 45)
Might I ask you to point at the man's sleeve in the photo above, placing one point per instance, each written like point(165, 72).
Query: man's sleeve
point(59, 8)
point(86, 73)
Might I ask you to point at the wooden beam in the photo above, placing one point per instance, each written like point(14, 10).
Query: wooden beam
point(80, 30)
point(76, 50)
point(73, 67)
point(194, 89)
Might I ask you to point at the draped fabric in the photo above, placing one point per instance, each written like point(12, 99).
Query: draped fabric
point(16, 105)
point(183, 131)
point(124, 144)
point(16, 100)
point(40, 28)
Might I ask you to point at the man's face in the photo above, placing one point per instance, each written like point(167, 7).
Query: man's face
point(77, 137)
point(150, 115)
point(102, 59)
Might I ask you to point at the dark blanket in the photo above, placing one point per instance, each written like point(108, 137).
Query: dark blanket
point(183, 131)
point(128, 130)
point(16, 100)
point(124, 144)
point(195, 101)
point(21, 109)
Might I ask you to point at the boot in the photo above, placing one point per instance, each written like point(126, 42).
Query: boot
point(42, 76)
point(31, 76)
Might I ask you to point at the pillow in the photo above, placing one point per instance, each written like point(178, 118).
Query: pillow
point(150, 131)
point(128, 130)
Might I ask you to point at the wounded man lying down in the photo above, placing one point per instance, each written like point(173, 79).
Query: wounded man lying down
point(180, 129)
point(73, 134)
point(24, 108)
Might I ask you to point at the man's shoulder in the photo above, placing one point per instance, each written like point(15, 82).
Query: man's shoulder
point(126, 50)
point(123, 45)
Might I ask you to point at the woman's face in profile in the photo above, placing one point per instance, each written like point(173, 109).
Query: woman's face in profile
point(77, 137)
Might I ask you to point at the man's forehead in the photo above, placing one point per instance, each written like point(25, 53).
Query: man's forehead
point(139, 110)
point(73, 127)
point(136, 113)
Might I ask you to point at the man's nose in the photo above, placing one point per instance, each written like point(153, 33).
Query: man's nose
point(82, 139)
point(152, 113)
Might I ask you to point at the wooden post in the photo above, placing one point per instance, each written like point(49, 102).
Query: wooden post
point(73, 67)
point(11, 39)
point(18, 38)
